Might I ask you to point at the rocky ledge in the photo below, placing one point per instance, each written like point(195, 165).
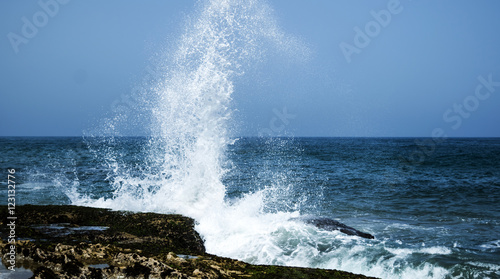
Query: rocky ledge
point(59, 241)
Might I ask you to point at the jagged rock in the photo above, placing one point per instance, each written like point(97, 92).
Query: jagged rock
point(132, 245)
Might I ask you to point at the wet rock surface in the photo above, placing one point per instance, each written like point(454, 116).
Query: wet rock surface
point(333, 225)
point(81, 242)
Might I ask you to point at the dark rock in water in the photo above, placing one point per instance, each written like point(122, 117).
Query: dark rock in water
point(332, 225)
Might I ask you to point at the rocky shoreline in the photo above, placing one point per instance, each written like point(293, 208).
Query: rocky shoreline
point(62, 241)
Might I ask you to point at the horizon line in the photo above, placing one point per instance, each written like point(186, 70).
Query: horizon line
point(246, 136)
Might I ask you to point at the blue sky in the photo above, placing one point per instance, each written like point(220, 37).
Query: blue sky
point(378, 68)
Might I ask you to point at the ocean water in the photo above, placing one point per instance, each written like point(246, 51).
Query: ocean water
point(436, 219)
point(433, 208)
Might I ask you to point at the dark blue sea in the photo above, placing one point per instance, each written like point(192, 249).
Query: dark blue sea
point(433, 207)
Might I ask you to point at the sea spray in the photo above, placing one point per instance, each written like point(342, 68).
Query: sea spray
point(188, 114)
point(191, 111)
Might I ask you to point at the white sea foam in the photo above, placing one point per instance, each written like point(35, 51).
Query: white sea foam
point(491, 245)
point(494, 267)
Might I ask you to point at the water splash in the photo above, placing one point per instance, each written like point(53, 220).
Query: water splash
point(189, 112)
